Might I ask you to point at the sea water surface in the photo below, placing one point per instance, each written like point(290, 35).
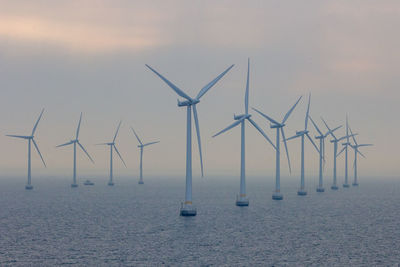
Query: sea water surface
point(135, 225)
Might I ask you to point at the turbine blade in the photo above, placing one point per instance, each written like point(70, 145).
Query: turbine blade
point(79, 126)
point(365, 145)
point(228, 128)
point(137, 137)
point(316, 127)
point(309, 138)
point(352, 135)
point(18, 136)
point(151, 143)
point(116, 150)
point(265, 116)
point(287, 152)
point(246, 97)
point(341, 151)
point(293, 137)
point(38, 151)
point(196, 120)
point(65, 144)
point(37, 122)
point(308, 112)
point(173, 86)
point(212, 83)
point(84, 150)
point(331, 131)
point(101, 144)
point(115, 136)
point(290, 111)
point(262, 132)
point(359, 152)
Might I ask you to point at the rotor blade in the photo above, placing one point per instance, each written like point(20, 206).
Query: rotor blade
point(347, 129)
point(261, 131)
point(344, 137)
point(212, 83)
point(341, 151)
point(308, 112)
point(66, 144)
point(151, 143)
point(359, 152)
point(137, 137)
point(101, 144)
point(116, 150)
point(196, 121)
point(115, 136)
point(174, 87)
point(37, 149)
point(287, 152)
point(79, 126)
point(229, 127)
point(84, 150)
point(316, 127)
point(18, 136)
point(365, 145)
point(265, 116)
point(354, 139)
point(293, 137)
point(37, 122)
point(309, 138)
point(246, 97)
point(290, 110)
point(329, 129)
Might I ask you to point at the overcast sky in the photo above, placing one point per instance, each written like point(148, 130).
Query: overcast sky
point(90, 56)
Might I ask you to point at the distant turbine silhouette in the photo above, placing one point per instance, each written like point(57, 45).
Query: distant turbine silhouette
point(141, 146)
point(30, 139)
point(277, 195)
point(356, 151)
point(242, 199)
point(346, 177)
point(187, 208)
point(112, 147)
point(74, 142)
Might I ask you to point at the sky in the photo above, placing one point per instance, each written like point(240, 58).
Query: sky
point(89, 56)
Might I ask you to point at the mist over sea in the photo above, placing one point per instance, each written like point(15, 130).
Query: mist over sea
point(135, 225)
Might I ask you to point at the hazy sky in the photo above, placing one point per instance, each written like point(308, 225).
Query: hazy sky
point(89, 56)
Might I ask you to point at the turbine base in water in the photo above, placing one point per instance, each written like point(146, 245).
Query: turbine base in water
point(355, 184)
point(188, 210)
point(320, 189)
point(88, 182)
point(277, 196)
point(334, 187)
point(346, 185)
point(110, 184)
point(302, 192)
point(242, 201)
point(28, 187)
point(74, 185)
point(140, 182)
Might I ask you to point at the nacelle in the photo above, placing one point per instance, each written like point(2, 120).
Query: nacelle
point(187, 102)
point(276, 125)
point(241, 116)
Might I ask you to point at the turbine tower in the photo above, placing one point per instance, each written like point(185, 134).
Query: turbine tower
point(31, 139)
point(242, 199)
point(335, 154)
point(302, 191)
point(187, 208)
point(321, 138)
point(346, 178)
point(356, 151)
point(112, 147)
point(277, 195)
point(75, 142)
point(141, 146)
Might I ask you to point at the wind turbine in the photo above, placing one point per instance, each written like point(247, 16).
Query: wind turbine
point(356, 151)
point(141, 146)
point(242, 199)
point(335, 153)
point(31, 139)
point(321, 138)
point(277, 195)
point(302, 191)
point(112, 147)
point(346, 178)
point(75, 142)
point(187, 208)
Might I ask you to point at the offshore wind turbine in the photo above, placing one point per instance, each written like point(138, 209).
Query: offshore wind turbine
point(31, 139)
point(242, 199)
point(141, 146)
point(277, 195)
point(75, 142)
point(112, 147)
point(302, 191)
point(356, 151)
point(321, 138)
point(187, 208)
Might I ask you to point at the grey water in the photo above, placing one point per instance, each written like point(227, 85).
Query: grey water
point(135, 225)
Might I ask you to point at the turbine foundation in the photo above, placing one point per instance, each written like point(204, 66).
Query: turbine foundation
point(334, 187)
point(242, 201)
point(140, 182)
point(28, 187)
point(110, 183)
point(188, 210)
point(346, 185)
point(74, 185)
point(320, 189)
point(355, 184)
point(302, 192)
point(277, 196)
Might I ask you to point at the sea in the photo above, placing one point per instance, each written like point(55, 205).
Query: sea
point(139, 225)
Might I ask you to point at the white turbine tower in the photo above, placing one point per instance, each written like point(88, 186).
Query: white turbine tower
point(141, 146)
point(75, 142)
point(356, 151)
point(277, 195)
point(112, 147)
point(335, 154)
point(321, 138)
point(302, 191)
point(242, 199)
point(31, 139)
point(187, 208)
